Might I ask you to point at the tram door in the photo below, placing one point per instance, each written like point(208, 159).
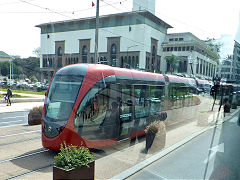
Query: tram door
point(126, 110)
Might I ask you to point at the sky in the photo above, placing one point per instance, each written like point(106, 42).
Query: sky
point(203, 18)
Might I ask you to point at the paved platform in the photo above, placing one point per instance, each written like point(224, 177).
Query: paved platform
point(127, 158)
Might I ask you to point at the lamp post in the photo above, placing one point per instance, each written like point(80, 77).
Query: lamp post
point(128, 50)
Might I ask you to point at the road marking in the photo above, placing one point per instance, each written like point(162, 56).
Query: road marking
point(215, 149)
point(13, 125)
point(9, 135)
point(13, 117)
point(7, 122)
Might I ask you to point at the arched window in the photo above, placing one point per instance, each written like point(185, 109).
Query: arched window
point(59, 51)
point(113, 49)
point(122, 62)
point(133, 64)
point(113, 56)
point(137, 62)
point(153, 51)
point(84, 54)
point(129, 62)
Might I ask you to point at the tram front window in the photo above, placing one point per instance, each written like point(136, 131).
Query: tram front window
point(62, 95)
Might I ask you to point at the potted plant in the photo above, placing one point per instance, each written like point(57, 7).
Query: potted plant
point(226, 106)
point(234, 105)
point(73, 162)
point(35, 115)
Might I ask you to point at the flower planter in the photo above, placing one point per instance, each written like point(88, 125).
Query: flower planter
point(234, 106)
point(34, 119)
point(82, 172)
point(227, 108)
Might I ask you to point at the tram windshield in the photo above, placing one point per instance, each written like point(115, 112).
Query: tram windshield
point(62, 95)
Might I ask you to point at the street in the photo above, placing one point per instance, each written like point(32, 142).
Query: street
point(13, 118)
point(212, 155)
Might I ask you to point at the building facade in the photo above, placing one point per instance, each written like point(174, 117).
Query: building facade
point(5, 57)
point(236, 61)
point(129, 40)
point(226, 69)
point(196, 57)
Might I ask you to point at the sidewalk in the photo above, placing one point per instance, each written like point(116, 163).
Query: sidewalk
point(31, 98)
point(126, 159)
point(25, 106)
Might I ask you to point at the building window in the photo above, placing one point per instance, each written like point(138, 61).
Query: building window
point(129, 62)
point(171, 39)
point(180, 39)
point(84, 54)
point(113, 56)
point(122, 62)
point(175, 48)
point(137, 62)
point(59, 51)
point(92, 60)
point(59, 62)
point(113, 49)
point(179, 48)
point(132, 64)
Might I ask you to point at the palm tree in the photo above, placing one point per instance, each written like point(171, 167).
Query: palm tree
point(173, 62)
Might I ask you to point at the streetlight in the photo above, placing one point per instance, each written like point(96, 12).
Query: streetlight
point(128, 49)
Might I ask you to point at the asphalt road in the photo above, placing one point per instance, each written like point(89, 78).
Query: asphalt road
point(214, 154)
point(13, 118)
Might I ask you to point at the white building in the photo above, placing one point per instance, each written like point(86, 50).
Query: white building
point(226, 69)
point(4, 57)
point(193, 52)
point(130, 40)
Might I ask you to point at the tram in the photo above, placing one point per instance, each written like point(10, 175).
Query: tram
point(97, 105)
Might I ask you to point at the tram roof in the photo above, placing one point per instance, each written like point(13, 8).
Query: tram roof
point(109, 70)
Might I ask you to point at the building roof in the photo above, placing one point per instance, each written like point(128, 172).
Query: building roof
point(111, 20)
point(4, 55)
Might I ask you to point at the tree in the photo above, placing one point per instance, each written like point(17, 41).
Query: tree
point(173, 62)
point(37, 52)
point(214, 45)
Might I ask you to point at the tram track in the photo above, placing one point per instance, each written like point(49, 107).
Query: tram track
point(23, 156)
point(30, 172)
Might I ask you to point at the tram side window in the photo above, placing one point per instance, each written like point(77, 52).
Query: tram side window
point(126, 103)
point(178, 91)
point(141, 102)
point(94, 106)
point(155, 98)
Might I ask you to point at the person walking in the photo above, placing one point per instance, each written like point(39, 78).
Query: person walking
point(9, 95)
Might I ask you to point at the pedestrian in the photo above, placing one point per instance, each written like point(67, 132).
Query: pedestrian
point(9, 95)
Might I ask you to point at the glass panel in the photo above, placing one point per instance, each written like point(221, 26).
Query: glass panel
point(141, 103)
point(62, 95)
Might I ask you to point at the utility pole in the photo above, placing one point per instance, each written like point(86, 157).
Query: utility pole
point(10, 70)
point(96, 32)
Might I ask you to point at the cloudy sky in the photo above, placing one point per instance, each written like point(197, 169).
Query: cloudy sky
point(18, 18)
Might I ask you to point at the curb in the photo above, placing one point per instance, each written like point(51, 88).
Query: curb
point(20, 100)
point(127, 173)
